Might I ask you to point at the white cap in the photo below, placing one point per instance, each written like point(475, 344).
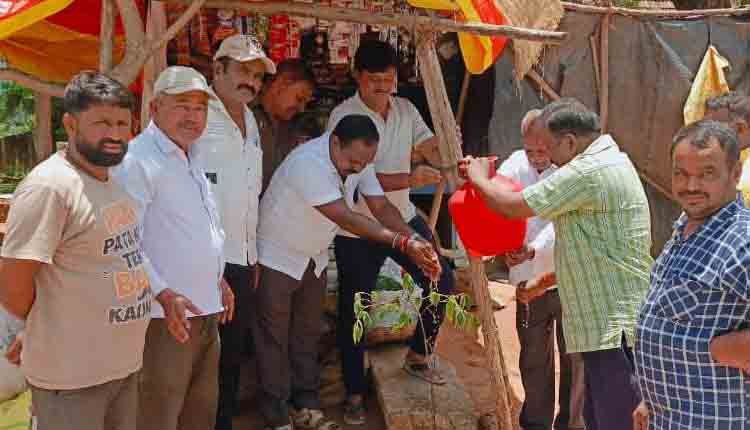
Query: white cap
point(181, 79)
point(242, 48)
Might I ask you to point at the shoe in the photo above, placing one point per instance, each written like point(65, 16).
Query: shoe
point(354, 415)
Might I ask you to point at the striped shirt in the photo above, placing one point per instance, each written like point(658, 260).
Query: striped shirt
point(700, 288)
point(603, 238)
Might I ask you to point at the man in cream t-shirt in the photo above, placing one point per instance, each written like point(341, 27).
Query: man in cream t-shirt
point(308, 200)
point(73, 267)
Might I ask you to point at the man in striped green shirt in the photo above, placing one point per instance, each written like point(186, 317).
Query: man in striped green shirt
point(602, 253)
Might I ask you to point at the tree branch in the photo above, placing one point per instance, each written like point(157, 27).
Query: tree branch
point(32, 83)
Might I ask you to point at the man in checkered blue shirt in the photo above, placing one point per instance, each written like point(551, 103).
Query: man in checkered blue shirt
point(692, 350)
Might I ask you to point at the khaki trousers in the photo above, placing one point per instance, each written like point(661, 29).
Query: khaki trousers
point(109, 406)
point(179, 384)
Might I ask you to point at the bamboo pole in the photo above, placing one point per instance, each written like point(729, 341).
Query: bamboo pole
point(543, 85)
point(362, 16)
point(654, 13)
point(43, 130)
point(604, 85)
point(106, 36)
point(450, 152)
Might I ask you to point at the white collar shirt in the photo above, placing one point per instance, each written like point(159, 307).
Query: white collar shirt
point(540, 233)
point(399, 134)
point(234, 165)
point(292, 231)
point(182, 234)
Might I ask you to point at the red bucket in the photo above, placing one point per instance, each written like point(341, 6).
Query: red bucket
point(483, 231)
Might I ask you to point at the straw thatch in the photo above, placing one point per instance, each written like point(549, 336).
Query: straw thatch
point(537, 14)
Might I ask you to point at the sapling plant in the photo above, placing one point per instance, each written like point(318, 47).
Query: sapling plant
point(407, 307)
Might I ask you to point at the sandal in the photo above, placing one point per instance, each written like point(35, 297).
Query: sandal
point(424, 372)
point(313, 419)
point(354, 415)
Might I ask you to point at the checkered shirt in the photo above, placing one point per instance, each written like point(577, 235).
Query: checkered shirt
point(700, 288)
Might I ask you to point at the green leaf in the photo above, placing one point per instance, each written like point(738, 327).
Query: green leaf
point(434, 298)
point(357, 331)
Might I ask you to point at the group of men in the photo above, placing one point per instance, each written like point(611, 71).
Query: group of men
point(142, 266)
point(664, 344)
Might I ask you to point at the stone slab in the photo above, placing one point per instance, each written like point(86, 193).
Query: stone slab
point(409, 403)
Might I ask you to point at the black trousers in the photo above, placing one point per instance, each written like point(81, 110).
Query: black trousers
point(537, 366)
point(358, 262)
point(234, 339)
point(611, 389)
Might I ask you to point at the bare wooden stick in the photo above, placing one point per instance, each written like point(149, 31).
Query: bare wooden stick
point(595, 61)
point(43, 129)
point(492, 346)
point(437, 198)
point(32, 82)
point(156, 25)
point(604, 87)
point(106, 36)
point(647, 179)
point(543, 85)
point(654, 13)
point(440, 109)
point(394, 19)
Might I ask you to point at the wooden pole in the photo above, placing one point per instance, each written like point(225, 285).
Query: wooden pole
point(534, 77)
point(43, 130)
point(437, 199)
point(604, 85)
point(106, 36)
point(654, 13)
point(156, 26)
point(362, 16)
point(595, 61)
point(450, 152)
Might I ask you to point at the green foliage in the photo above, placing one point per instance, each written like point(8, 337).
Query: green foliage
point(17, 112)
point(10, 177)
point(16, 109)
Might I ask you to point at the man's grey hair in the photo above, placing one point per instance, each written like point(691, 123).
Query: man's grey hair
point(528, 120)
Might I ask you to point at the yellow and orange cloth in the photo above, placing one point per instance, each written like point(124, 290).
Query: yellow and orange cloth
point(54, 39)
point(479, 52)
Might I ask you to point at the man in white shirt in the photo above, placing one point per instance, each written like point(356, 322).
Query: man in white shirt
point(307, 202)
point(230, 153)
point(182, 236)
point(404, 140)
point(538, 322)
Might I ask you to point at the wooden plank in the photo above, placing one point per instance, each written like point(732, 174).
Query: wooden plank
point(409, 403)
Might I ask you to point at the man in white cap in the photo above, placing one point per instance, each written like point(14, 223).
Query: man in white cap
point(230, 153)
point(182, 236)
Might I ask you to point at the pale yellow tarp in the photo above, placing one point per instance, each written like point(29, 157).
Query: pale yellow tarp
point(709, 82)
